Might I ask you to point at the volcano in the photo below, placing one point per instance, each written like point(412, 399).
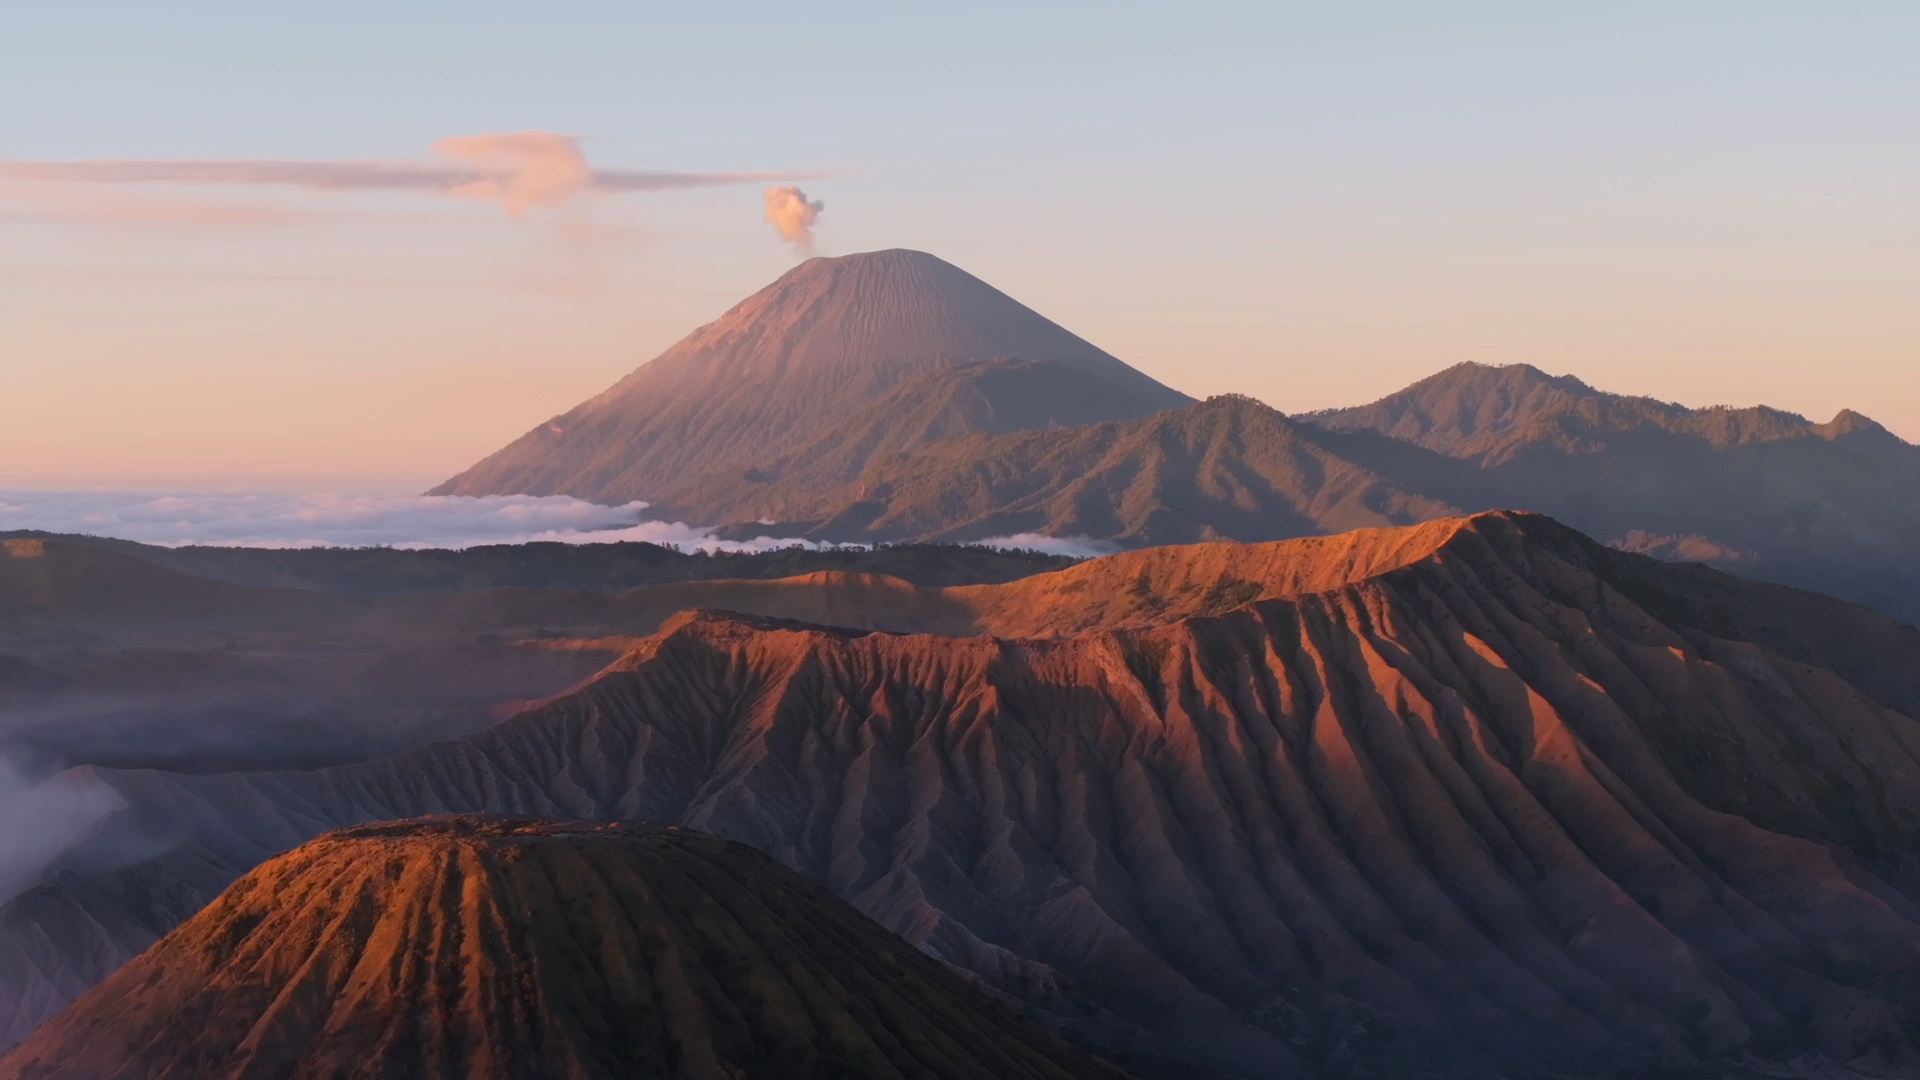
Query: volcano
point(796, 362)
point(497, 949)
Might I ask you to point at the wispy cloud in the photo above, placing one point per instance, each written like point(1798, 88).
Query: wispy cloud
point(318, 175)
point(36, 201)
point(516, 158)
point(520, 170)
point(539, 175)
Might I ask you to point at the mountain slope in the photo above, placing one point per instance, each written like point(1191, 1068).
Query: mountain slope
point(1477, 797)
point(497, 949)
point(1228, 467)
point(992, 397)
point(1833, 506)
point(790, 364)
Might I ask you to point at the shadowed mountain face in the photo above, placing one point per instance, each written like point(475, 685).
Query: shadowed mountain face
point(1228, 467)
point(1477, 797)
point(1833, 506)
point(496, 949)
point(948, 402)
point(792, 364)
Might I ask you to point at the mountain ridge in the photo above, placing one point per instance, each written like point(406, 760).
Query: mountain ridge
point(849, 402)
point(1488, 414)
point(1831, 506)
point(1226, 468)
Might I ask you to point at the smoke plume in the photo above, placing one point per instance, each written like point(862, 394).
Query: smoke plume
point(39, 821)
point(792, 216)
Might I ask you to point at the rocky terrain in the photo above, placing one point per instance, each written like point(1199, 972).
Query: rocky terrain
point(500, 949)
point(1479, 797)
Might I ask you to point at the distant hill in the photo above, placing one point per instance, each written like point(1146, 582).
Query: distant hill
point(1831, 506)
point(108, 658)
point(799, 361)
point(1477, 798)
point(111, 654)
point(1492, 415)
point(478, 948)
point(381, 571)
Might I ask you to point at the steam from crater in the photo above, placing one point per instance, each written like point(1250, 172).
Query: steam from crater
point(792, 215)
point(40, 820)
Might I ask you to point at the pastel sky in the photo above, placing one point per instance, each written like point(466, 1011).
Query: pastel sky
point(1311, 203)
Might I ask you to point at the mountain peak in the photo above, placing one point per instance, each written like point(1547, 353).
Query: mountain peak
point(1473, 372)
point(881, 314)
point(805, 356)
point(1466, 408)
point(884, 260)
point(1501, 384)
point(1235, 403)
point(1492, 414)
point(1847, 422)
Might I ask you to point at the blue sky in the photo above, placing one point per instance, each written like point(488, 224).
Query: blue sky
point(1314, 204)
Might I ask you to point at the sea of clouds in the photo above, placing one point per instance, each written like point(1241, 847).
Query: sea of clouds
point(401, 521)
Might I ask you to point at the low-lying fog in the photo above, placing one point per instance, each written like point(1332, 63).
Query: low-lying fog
point(108, 659)
point(401, 521)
